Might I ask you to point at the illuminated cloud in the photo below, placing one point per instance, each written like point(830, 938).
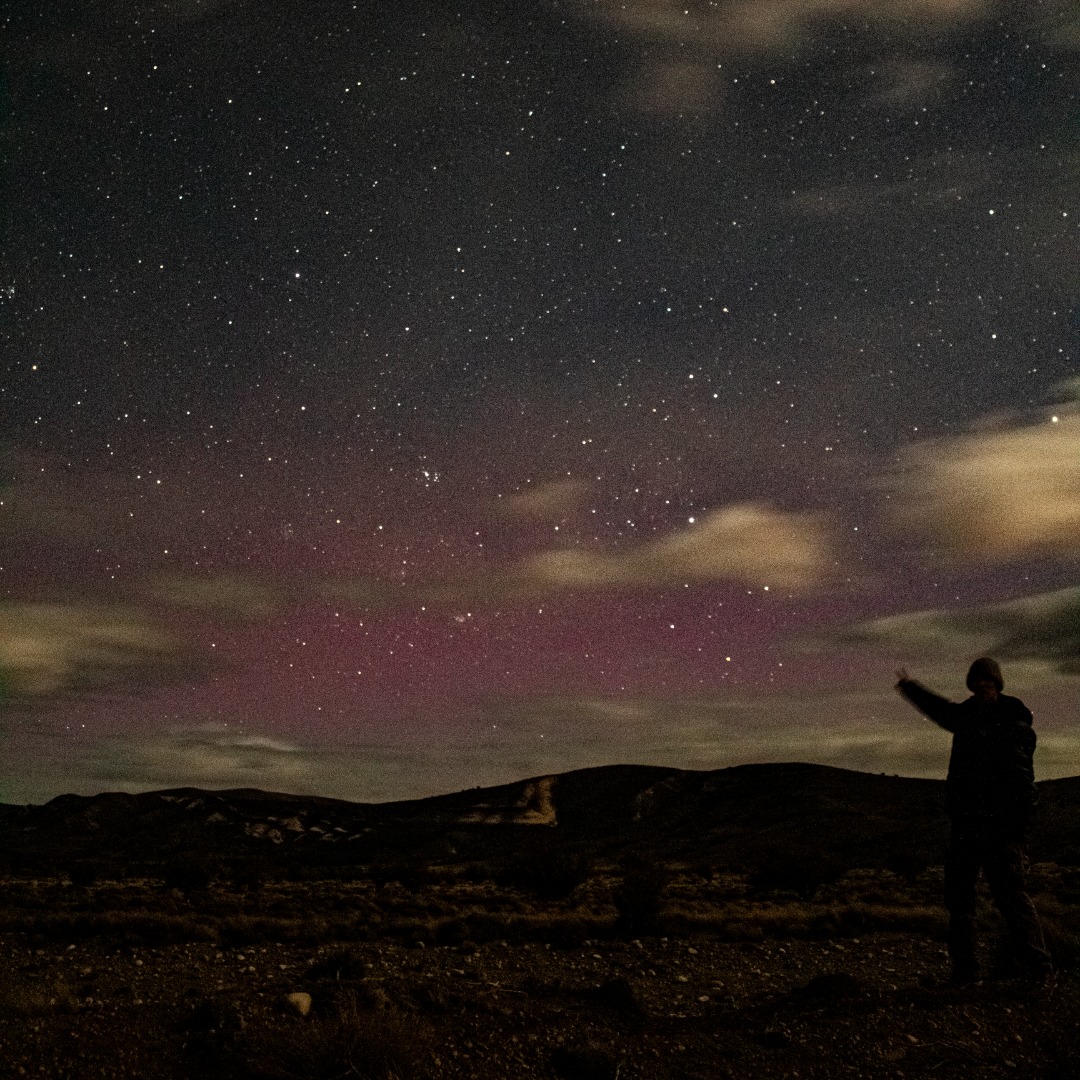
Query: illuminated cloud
point(570, 568)
point(51, 650)
point(996, 494)
point(1044, 628)
point(750, 543)
point(747, 543)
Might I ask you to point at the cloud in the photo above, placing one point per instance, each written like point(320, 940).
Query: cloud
point(552, 501)
point(682, 49)
point(998, 494)
point(872, 731)
point(947, 188)
point(1043, 627)
point(209, 757)
point(748, 543)
point(224, 595)
point(772, 26)
point(50, 650)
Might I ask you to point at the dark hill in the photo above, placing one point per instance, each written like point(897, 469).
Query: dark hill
point(737, 817)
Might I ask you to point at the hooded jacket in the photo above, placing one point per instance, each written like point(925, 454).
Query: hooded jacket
point(991, 778)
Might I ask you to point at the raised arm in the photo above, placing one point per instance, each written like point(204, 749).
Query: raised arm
point(941, 710)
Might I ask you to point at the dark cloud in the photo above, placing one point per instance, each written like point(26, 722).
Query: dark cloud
point(49, 503)
point(223, 595)
point(1044, 628)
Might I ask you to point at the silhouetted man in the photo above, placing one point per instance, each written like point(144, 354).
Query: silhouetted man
point(989, 795)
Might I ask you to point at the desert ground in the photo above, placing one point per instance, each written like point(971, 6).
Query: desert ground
point(637, 969)
point(764, 921)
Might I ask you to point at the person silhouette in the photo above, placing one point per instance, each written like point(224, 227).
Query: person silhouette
point(989, 797)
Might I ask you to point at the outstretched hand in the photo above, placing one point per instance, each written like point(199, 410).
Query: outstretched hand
point(901, 675)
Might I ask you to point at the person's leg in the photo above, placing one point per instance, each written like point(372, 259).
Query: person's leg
point(1004, 865)
point(961, 874)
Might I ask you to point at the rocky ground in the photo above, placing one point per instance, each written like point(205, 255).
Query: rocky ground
point(761, 990)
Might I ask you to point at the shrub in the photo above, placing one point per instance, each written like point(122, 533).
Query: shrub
point(250, 930)
point(617, 992)
point(588, 1061)
point(191, 873)
point(802, 873)
point(638, 895)
point(405, 874)
point(352, 1043)
point(1062, 942)
point(907, 863)
point(546, 868)
point(338, 965)
point(83, 874)
point(249, 873)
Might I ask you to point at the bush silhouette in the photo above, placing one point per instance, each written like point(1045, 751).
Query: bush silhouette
point(546, 868)
point(1062, 942)
point(250, 873)
point(83, 874)
point(802, 873)
point(585, 1062)
point(907, 863)
point(352, 1042)
point(191, 873)
point(638, 895)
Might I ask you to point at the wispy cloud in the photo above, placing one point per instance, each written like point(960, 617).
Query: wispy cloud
point(223, 595)
point(767, 26)
point(682, 49)
point(51, 650)
point(212, 757)
point(872, 731)
point(550, 501)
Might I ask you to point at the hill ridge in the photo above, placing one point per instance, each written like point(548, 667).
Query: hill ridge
point(732, 816)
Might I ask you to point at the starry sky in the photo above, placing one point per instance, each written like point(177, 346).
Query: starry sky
point(396, 398)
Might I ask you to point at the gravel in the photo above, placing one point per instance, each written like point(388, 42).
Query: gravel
point(862, 1006)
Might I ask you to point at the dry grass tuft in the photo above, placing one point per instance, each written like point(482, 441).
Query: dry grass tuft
point(354, 1042)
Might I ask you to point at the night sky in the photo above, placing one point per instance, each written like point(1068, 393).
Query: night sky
point(399, 397)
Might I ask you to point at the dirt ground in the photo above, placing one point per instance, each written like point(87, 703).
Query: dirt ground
point(769, 987)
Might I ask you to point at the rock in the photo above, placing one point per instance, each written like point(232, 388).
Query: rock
point(299, 1002)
